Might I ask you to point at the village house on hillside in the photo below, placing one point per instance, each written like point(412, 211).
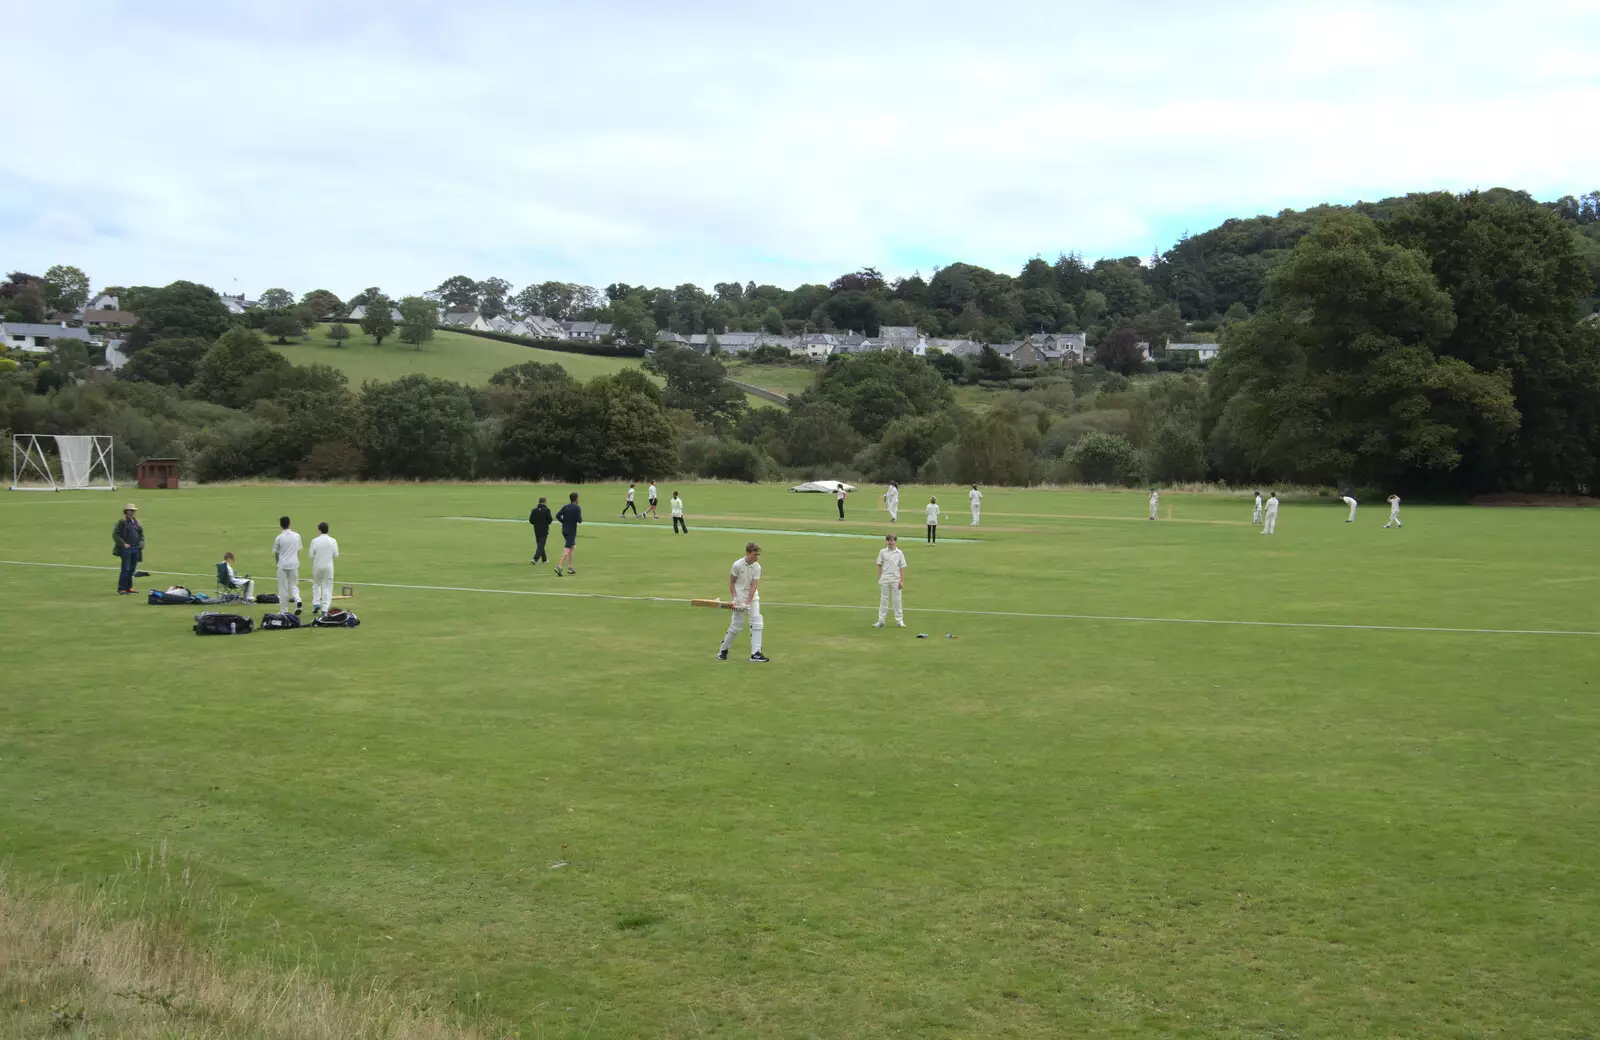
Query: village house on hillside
point(36, 338)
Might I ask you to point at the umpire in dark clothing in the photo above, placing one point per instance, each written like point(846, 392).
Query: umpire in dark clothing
point(541, 520)
point(128, 542)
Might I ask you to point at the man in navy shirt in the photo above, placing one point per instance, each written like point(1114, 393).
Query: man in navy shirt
point(569, 517)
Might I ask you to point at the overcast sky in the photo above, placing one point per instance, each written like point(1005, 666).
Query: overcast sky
point(344, 143)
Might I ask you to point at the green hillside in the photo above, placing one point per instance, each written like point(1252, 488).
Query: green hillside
point(782, 379)
point(449, 355)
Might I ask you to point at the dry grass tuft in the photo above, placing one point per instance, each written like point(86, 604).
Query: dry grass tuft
point(116, 962)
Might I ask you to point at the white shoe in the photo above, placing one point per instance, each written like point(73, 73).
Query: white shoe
point(877, 624)
point(899, 624)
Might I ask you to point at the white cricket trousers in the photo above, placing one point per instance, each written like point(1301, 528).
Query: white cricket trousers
point(974, 517)
point(1255, 515)
point(1153, 508)
point(288, 585)
point(1352, 511)
point(1394, 517)
point(1270, 524)
point(740, 618)
point(894, 512)
point(321, 588)
point(889, 592)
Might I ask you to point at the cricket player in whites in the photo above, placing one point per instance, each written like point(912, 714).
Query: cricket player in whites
point(1347, 500)
point(1269, 523)
point(744, 591)
point(1255, 516)
point(891, 502)
point(975, 497)
point(1394, 512)
point(324, 550)
point(286, 550)
point(891, 581)
point(1155, 502)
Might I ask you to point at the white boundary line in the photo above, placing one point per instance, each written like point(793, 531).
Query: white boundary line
point(1126, 619)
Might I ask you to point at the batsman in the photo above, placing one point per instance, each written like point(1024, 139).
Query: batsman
point(744, 590)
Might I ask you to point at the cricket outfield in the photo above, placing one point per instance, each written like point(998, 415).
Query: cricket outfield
point(1105, 808)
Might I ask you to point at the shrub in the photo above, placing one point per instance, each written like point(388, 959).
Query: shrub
point(723, 459)
point(1105, 458)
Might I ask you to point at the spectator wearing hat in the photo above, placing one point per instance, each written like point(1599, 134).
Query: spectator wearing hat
point(128, 543)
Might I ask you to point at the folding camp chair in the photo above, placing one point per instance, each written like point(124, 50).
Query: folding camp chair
point(227, 592)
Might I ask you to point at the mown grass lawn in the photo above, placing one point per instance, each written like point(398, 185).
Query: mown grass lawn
point(519, 795)
point(783, 379)
point(449, 355)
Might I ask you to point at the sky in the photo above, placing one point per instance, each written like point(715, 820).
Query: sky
point(345, 143)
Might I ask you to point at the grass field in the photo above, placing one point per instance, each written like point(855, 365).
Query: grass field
point(449, 355)
point(513, 792)
point(783, 379)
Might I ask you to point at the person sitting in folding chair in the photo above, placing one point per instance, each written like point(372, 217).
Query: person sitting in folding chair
point(228, 581)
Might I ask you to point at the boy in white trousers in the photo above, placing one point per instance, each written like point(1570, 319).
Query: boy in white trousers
point(286, 550)
point(891, 502)
point(1347, 500)
point(975, 497)
point(744, 590)
point(891, 581)
point(1269, 523)
point(1255, 515)
point(324, 550)
point(1155, 502)
point(1394, 512)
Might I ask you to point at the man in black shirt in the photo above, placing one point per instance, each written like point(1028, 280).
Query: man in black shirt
point(540, 519)
point(569, 517)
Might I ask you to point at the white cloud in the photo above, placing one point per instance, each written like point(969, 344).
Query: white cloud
point(342, 144)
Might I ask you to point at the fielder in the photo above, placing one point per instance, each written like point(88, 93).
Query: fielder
point(1269, 523)
point(931, 514)
point(628, 504)
point(891, 502)
point(1255, 515)
point(1394, 512)
point(286, 550)
point(324, 550)
point(1155, 502)
point(744, 590)
point(1347, 500)
point(652, 512)
point(677, 515)
point(891, 581)
point(974, 496)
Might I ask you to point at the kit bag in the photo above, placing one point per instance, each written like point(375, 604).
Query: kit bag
point(336, 618)
point(267, 597)
point(278, 622)
point(212, 623)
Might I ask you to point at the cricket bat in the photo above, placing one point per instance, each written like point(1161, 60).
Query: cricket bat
point(710, 603)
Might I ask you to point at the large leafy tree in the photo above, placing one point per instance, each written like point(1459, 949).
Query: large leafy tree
point(170, 362)
point(277, 299)
point(323, 304)
point(459, 293)
point(66, 288)
point(613, 426)
point(378, 321)
point(1516, 279)
point(698, 383)
point(178, 310)
point(224, 372)
point(492, 294)
point(1339, 380)
point(417, 318)
point(418, 428)
point(22, 297)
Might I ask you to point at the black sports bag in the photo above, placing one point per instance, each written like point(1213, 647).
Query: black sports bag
point(275, 622)
point(335, 618)
point(212, 623)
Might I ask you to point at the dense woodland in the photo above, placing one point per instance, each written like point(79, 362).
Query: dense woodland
point(1434, 343)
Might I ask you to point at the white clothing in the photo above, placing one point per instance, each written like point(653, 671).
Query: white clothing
point(324, 550)
point(630, 495)
point(932, 513)
point(889, 594)
point(747, 604)
point(974, 496)
point(893, 561)
point(1352, 504)
point(652, 492)
point(891, 501)
point(289, 585)
point(286, 549)
point(1394, 513)
point(1270, 524)
point(236, 582)
point(321, 588)
point(1155, 500)
point(677, 507)
point(744, 575)
point(1255, 516)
